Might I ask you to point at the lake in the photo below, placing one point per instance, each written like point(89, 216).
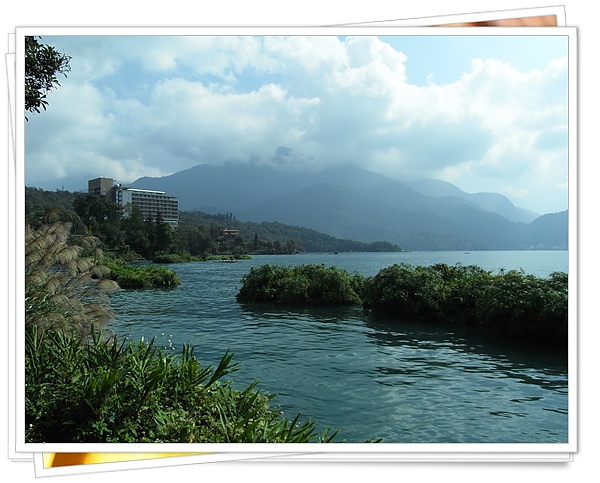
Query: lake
point(370, 377)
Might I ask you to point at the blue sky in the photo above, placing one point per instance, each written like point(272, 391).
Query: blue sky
point(487, 113)
point(448, 57)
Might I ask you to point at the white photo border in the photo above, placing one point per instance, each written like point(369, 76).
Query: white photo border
point(18, 300)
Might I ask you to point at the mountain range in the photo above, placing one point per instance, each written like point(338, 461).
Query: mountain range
point(350, 202)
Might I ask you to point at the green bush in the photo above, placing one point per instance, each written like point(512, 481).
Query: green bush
point(510, 304)
point(526, 307)
point(171, 258)
point(304, 284)
point(459, 288)
point(107, 391)
point(406, 291)
point(148, 276)
point(233, 257)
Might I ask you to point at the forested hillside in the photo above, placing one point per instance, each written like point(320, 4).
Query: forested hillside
point(198, 234)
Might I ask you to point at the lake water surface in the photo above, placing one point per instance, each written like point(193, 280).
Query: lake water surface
point(370, 377)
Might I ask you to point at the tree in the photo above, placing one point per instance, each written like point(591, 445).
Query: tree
point(163, 234)
point(42, 64)
point(136, 232)
point(101, 216)
point(290, 246)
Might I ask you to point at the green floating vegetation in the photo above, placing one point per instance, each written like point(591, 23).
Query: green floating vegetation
point(509, 304)
point(228, 258)
point(301, 285)
point(174, 258)
point(104, 390)
point(147, 276)
point(186, 257)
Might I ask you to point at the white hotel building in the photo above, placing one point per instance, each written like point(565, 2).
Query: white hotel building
point(151, 203)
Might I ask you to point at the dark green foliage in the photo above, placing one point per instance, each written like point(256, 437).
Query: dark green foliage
point(137, 237)
point(101, 217)
point(147, 276)
point(43, 207)
point(107, 391)
point(197, 234)
point(304, 284)
point(439, 292)
point(162, 235)
point(42, 63)
point(408, 291)
point(173, 258)
point(95, 209)
point(510, 304)
point(274, 237)
point(194, 239)
point(463, 287)
point(226, 258)
point(525, 307)
point(131, 237)
point(43, 199)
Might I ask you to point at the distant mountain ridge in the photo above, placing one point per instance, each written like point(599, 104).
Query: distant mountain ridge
point(493, 202)
point(353, 203)
point(235, 187)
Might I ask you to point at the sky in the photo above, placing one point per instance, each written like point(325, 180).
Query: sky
point(484, 112)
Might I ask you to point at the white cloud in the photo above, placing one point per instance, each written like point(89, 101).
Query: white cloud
point(309, 54)
point(160, 105)
point(515, 193)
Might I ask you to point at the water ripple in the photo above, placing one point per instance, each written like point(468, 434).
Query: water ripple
point(404, 382)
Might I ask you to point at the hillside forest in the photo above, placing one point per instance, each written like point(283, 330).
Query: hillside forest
point(197, 234)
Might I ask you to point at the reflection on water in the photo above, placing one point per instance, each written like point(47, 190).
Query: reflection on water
point(405, 382)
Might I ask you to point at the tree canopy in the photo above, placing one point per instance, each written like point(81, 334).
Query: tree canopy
point(42, 64)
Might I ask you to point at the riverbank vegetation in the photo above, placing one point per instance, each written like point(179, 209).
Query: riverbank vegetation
point(165, 258)
point(144, 276)
point(103, 390)
point(509, 304)
point(83, 385)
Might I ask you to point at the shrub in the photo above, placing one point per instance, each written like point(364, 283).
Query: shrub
point(526, 307)
point(406, 291)
point(463, 286)
point(304, 284)
point(107, 391)
point(148, 276)
point(181, 257)
point(171, 258)
point(510, 304)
